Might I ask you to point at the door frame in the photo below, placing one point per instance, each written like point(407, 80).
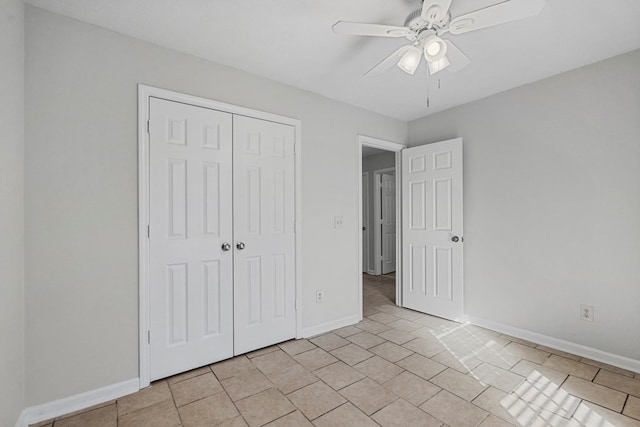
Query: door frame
point(377, 209)
point(366, 234)
point(382, 144)
point(144, 94)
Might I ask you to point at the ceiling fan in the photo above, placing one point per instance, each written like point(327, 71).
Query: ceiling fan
point(425, 27)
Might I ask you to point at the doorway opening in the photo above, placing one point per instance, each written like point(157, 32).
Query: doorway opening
point(380, 232)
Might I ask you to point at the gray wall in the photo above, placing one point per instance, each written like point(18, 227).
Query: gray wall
point(81, 194)
point(11, 210)
point(552, 203)
point(371, 164)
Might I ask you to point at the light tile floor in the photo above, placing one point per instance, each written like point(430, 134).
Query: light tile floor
point(395, 368)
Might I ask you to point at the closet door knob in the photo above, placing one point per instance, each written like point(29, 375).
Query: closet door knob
point(240, 246)
point(226, 247)
point(455, 239)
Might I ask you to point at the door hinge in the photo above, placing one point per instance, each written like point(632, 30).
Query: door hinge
point(149, 127)
point(148, 232)
point(149, 336)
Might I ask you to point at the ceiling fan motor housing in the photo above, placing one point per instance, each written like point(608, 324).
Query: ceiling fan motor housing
point(417, 23)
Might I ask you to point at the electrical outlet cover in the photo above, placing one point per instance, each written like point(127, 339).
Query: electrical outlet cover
point(586, 312)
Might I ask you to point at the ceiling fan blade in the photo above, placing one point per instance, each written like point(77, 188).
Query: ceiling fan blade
point(457, 59)
point(500, 13)
point(388, 62)
point(375, 30)
point(434, 10)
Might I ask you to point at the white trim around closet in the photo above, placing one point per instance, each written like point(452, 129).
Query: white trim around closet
point(144, 93)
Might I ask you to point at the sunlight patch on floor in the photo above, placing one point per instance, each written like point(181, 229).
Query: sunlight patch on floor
point(537, 401)
point(465, 342)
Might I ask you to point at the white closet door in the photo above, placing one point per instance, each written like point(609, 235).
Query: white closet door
point(366, 255)
point(432, 229)
point(388, 221)
point(264, 270)
point(191, 287)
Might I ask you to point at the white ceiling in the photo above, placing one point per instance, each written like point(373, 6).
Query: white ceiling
point(291, 41)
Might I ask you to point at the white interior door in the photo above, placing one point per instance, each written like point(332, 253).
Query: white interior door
point(388, 221)
point(365, 223)
point(432, 244)
point(190, 286)
point(264, 300)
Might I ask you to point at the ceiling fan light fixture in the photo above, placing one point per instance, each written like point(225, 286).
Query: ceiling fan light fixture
point(434, 49)
point(410, 60)
point(438, 65)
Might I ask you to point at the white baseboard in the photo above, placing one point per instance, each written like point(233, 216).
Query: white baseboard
point(84, 400)
point(22, 420)
point(330, 326)
point(559, 344)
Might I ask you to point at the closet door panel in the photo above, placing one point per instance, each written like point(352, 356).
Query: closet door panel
point(264, 209)
point(190, 286)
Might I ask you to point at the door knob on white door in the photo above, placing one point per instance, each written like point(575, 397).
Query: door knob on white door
point(240, 246)
point(455, 239)
point(226, 247)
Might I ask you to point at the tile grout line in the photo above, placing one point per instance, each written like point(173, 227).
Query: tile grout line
point(624, 405)
point(173, 398)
